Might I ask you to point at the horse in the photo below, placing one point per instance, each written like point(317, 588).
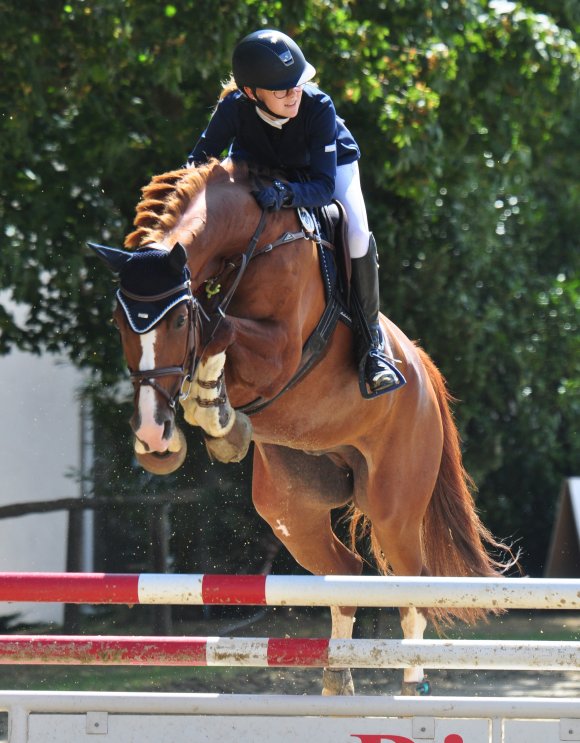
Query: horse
point(199, 242)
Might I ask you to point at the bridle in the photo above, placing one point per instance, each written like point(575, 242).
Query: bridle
point(185, 372)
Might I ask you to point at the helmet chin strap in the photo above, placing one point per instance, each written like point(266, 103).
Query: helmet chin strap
point(260, 104)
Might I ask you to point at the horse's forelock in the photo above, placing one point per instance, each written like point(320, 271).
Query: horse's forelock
point(166, 198)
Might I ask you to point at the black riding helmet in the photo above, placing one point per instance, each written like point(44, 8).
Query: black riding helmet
point(271, 60)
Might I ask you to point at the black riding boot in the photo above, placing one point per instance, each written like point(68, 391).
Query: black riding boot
point(369, 343)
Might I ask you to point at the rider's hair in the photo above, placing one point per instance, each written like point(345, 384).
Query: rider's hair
point(228, 86)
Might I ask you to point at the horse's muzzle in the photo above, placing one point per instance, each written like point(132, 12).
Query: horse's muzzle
point(166, 462)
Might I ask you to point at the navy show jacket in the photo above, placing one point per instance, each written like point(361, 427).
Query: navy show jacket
point(313, 143)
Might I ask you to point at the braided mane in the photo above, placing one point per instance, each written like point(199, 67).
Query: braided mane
point(165, 200)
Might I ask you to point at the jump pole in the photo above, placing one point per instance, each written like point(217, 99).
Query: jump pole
point(283, 590)
point(283, 652)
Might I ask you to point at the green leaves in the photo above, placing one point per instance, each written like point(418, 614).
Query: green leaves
point(467, 115)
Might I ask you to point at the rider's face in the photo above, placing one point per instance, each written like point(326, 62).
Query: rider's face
point(281, 102)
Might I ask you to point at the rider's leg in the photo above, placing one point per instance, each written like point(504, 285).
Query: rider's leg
point(365, 280)
point(347, 190)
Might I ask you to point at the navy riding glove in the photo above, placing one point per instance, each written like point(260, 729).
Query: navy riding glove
point(274, 197)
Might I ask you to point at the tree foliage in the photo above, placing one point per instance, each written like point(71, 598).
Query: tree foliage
point(467, 113)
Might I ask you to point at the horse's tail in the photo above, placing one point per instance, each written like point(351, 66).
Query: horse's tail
point(455, 541)
point(470, 548)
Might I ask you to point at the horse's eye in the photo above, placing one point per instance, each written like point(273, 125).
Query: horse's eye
point(180, 321)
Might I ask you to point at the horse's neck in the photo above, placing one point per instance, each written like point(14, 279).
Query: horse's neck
point(221, 224)
point(282, 281)
point(212, 228)
point(233, 223)
point(231, 217)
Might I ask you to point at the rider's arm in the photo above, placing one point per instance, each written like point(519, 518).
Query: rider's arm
point(219, 133)
point(322, 133)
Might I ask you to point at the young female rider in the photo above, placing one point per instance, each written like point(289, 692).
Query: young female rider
point(270, 116)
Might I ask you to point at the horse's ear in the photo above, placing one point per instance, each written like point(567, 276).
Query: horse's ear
point(178, 257)
point(114, 258)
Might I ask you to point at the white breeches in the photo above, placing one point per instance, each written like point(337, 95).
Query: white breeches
point(348, 191)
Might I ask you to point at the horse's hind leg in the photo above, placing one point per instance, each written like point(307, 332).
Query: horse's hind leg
point(404, 556)
point(414, 623)
point(397, 499)
point(295, 492)
point(338, 681)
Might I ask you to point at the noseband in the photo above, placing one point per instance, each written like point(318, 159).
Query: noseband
point(185, 372)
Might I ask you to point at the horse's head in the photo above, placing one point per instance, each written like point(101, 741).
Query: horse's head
point(156, 316)
point(158, 311)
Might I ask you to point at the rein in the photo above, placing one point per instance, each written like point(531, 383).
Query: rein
point(246, 257)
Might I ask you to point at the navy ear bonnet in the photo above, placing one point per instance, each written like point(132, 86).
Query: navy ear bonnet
point(152, 283)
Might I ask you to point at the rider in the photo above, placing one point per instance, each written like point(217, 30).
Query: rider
point(272, 116)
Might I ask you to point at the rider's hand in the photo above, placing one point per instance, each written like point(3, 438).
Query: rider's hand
point(274, 197)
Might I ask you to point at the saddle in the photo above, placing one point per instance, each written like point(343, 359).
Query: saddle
point(333, 225)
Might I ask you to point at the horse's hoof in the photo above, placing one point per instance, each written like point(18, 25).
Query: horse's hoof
point(234, 446)
point(337, 682)
point(416, 688)
point(166, 462)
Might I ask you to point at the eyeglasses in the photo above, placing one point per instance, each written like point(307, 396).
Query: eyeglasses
point(279, 94)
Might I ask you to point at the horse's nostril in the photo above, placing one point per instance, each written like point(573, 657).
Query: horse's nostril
point(167, 429)
point(143, 444)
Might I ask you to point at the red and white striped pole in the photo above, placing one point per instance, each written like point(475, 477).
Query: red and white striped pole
point(291, 590)
point(264, 652)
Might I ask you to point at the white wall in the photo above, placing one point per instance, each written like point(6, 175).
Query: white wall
point(39, 460)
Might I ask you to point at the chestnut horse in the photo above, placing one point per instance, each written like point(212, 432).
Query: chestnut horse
point(319, 446)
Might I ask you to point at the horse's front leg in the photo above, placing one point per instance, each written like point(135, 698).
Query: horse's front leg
point(258, 366)
point(227, 433)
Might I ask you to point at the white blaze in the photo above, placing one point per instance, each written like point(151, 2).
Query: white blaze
point(149, 431)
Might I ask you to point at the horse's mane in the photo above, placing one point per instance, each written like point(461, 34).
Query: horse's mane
point(165, 199)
